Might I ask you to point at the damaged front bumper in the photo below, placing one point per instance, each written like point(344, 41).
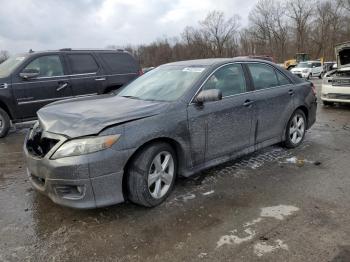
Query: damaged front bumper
point(86, 181)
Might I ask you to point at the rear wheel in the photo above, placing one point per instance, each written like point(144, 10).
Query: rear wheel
point(5, 123)
point(296, 129)
point(152, 174)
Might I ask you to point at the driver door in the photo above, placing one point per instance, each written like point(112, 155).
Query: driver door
point(50, 85)
point(222, 128)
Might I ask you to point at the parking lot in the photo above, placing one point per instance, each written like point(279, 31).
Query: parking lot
point(273, 205)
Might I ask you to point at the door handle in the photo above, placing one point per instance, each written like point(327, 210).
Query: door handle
point(248, 103)
point(291, 92)
point(100, 79)
point(62, 86)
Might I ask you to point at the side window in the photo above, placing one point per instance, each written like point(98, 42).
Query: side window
point(229, 79)
point(120, 63)
point(264, 76)
point(47, 66)
point(283, 80)
point(82, 63)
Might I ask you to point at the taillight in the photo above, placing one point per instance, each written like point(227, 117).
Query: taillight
point(313, 88)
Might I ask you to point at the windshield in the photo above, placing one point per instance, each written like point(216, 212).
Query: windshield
point(304, 65)
point(10, 64)
point(163, 83)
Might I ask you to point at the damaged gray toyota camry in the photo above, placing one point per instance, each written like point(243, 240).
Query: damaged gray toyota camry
point(176, 120)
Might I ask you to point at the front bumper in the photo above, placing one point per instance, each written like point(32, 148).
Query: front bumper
point(302, 75)
point(87, 181)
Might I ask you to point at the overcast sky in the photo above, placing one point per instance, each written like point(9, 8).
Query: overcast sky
point(53, 24)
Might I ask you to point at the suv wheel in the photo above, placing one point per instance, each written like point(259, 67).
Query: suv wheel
point(5, 123)
point(296, 129)
point(151, 175)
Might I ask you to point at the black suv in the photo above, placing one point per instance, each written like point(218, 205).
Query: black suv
point(30, 81)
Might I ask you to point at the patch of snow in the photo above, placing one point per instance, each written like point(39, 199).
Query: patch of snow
point(262, 248)
point(208, 193)
point(278, 212)
point(253, 222)
point(234, 239)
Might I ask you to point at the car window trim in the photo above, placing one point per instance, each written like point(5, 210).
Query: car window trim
point(84, 53)
point(274, 68)
point(216, 69)
point(39, 56)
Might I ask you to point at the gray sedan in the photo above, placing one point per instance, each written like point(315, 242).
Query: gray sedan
point(176, 120)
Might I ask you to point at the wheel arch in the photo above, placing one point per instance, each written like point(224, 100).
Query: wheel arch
point(6, 108)
point(306, 113)
point(176, 145)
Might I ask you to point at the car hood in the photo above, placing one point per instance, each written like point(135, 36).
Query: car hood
point(88, 116)
point(342, 53)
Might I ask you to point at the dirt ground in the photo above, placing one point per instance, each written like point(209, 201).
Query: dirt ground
point(273, 205)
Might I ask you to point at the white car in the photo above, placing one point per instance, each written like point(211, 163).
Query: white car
point(308, 69)
point(336, 83)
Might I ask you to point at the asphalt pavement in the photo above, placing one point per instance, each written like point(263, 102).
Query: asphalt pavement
point(273, 205)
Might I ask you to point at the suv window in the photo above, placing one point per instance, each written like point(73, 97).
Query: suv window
point(316, 64)
point(283, 80)
point(82, 63)
point(264, 76)
point(229, 79)
point(120, 63)
point(47, 66)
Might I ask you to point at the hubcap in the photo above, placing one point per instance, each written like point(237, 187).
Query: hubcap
point(161, 174)
point(297, 129)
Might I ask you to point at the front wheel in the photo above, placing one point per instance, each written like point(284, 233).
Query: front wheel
point(296, 129)
point(5, 123)
point(151, 175)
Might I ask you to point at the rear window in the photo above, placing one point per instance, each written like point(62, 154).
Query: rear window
point(82, 63)
point(120, 63)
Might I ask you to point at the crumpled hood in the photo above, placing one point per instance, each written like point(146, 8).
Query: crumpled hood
point(88, 116)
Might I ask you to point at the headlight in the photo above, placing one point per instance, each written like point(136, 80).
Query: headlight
point(82, 146)
point(306, 71)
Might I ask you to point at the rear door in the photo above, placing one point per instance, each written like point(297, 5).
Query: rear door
point(52, 84)
point(274, 101)
point(316, 69)
point(86, 75)
point(220, 128)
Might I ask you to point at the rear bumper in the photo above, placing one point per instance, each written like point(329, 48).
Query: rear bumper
point(312, 114)
point(87, 181)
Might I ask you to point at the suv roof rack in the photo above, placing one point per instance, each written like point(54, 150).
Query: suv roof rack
point(89, 49)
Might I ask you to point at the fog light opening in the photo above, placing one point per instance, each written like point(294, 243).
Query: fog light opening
point(71, 192)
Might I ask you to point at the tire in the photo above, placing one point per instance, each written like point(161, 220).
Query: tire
point(5, 123)
point(327, 103)
point(320, 76)
point(308, 77)
point(295, 138)
point(148, 184)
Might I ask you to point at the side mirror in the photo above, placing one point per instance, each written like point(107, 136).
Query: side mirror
point(29, 73)
point(208, 96)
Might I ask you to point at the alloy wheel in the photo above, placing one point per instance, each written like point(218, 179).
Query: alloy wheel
point(161, 174)
point(297, 129)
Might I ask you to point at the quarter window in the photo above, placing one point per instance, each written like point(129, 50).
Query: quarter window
point(264, 76)
point(82, 63)
point(47, 66)
point(229, 79)
point(282, 79)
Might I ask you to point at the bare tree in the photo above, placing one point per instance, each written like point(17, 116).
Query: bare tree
point(300, 12)
point(218, 32)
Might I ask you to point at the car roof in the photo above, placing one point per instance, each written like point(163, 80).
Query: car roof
point(215, 61)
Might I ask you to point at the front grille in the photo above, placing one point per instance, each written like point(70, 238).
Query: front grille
point(341, 82)
point(38, 145)
point(339, 96)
